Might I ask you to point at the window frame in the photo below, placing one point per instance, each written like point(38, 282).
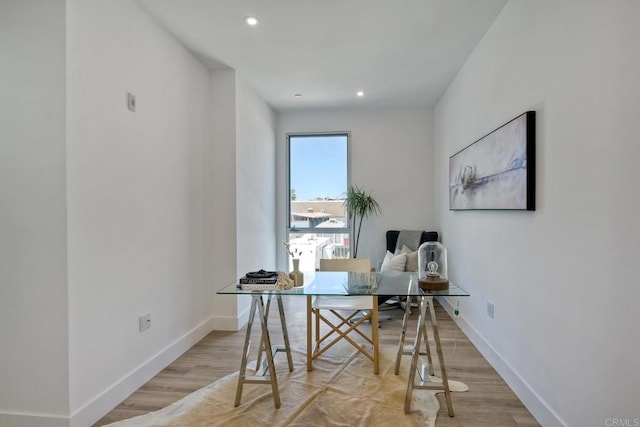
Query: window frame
point(289, 228)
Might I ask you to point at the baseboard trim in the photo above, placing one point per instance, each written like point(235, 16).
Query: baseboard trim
point(531, 400)
point(110, 398)
point(230, 323)
point(32, 420)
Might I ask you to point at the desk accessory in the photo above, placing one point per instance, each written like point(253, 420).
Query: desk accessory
point(433, 281)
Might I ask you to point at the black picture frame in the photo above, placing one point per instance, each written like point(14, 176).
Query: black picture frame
point(497, 171)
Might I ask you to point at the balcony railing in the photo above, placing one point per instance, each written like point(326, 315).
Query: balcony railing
point(313, 247)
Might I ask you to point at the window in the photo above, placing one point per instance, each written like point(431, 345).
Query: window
point(318, 181)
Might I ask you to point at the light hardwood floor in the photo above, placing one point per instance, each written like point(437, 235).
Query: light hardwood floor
point(489, 401)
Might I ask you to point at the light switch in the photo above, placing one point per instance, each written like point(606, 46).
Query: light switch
point(490, 309)
point(131, 101)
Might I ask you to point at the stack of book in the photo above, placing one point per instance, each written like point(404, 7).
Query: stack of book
point(259, 280)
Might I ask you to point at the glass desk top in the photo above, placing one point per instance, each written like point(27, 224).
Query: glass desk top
point(347, 283)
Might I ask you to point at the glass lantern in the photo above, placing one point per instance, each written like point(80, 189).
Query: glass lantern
point(432, 260)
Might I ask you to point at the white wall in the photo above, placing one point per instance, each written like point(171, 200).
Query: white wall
point(255, 180)
point(243, 180)
point(135, 201)
point(255, 186)
point(122, 212)
point(562, 278)
point(33, 246)
point(222, 204)
point(391, 154)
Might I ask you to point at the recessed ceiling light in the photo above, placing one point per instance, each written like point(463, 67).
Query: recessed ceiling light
point(360, 93)
point(297, 95)
point(251, 20)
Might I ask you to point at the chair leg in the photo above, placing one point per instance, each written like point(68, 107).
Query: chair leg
point(374, 355)
point(309, 348)
point(314, 351)
point(341, 335)
point(316, 313)
point(374, 334)
point(349, 321)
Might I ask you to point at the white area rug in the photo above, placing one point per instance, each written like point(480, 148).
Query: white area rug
point(341, 390)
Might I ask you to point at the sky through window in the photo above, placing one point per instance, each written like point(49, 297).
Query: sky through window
point(318, 166)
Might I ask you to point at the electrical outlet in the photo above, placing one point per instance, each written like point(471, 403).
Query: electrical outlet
point(490, 309)
point(144, 322)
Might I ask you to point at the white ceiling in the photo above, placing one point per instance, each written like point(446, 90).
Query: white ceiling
point(401, 53)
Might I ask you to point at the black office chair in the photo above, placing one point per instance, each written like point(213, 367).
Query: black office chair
point(392, 239)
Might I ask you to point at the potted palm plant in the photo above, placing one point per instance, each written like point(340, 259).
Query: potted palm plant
point(360, 205)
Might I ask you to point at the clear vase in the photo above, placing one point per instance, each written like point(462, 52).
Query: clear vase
point(296, 275)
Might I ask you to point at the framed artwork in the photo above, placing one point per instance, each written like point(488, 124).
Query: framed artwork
point(498, 170)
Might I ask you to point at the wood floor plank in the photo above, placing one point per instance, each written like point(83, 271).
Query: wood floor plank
point(489, 401)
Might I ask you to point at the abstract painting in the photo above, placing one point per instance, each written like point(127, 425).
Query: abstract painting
point(498, 170)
